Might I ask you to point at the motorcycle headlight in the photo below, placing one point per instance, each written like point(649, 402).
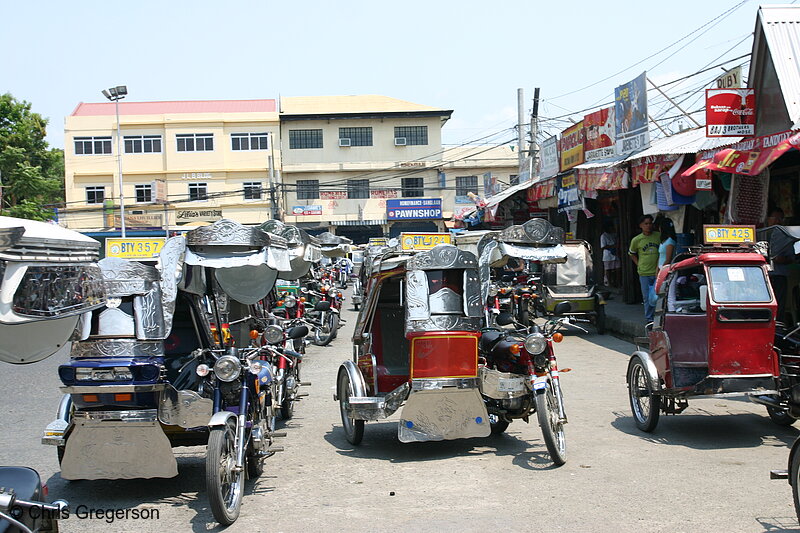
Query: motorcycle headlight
point(535, 343)
point(493, 290)
point(227, 368)
point(289, 301)
point(273, 334)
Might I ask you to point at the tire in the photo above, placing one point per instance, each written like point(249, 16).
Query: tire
point(600, 320)
point(353, 429)
point(794, 479)
point(645, 406)
point(224, 487)
point(355, 306)
point(498, 426)
point(552, 427)
point(287, 406)
point(60, 452)
point(323, 335)
point(255, 465)
point(334, 320)
point(781, 416)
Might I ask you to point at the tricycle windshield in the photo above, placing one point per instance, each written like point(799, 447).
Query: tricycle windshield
point(738, 284)
point(445, 279)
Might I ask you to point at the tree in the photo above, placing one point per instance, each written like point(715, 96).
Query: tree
point(32, 174)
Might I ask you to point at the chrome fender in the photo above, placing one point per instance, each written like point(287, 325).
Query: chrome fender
point(795, 448)
point(650, 366)
point(221, 418)
point(356, 378)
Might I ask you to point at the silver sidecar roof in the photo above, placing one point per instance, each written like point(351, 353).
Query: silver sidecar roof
point(304, 249)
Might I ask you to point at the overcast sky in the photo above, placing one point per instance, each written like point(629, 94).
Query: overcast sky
point(468, 56)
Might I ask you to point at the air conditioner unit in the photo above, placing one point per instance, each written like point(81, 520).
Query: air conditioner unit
point(344, 142)
point(399, 141)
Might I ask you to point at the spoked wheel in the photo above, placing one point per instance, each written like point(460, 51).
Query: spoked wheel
point(353, 429)
point(498, 426)
point(287, 406)
point(645, 405)
point(334, 319)
point(794, 479)
point(323, 335)
point(223, 483)
point(552, 426)
point(781, 416)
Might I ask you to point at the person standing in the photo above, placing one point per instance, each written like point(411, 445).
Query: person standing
point(781, 252)
point(666, 250)
point(611, 264)
point(643, 252)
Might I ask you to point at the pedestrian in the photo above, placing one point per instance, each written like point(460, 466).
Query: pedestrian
point(643, 252)
point(611, 264)
point(782, 255)
point(666, 250)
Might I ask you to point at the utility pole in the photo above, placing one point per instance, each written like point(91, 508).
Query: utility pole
point(270, 158)
point(520, 132)
point(533, 148)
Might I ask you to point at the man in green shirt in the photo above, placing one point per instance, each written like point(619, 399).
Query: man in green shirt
point(644, 253)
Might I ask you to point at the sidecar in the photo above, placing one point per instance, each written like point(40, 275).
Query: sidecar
point(133, 388)
point(416, 347)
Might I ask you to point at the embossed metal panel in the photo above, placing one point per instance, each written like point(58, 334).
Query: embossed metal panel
point(443, 414)
point(417, 295)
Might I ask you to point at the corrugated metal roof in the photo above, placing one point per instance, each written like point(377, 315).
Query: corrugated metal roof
point(685, 142)
point(166, 108)
point(780, 25)
point(368, 103)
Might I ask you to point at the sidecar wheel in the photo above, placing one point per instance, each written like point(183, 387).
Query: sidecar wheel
point(224, 485)
point(781, 416)
point(645, 405)
point(498, 426)
point(353, 429)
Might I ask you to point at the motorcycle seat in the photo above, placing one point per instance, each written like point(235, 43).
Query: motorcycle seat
point(488, 339)
point(25, 482)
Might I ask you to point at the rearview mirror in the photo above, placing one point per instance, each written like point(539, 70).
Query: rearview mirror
point(504, 319)
point(562, 307)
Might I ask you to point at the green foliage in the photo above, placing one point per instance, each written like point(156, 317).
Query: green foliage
point(32, 174)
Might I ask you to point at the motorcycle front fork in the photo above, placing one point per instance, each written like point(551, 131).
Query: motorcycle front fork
point(562, 414)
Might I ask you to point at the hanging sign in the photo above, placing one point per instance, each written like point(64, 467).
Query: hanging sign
point(730, 112)
point(548, 158)
point(571, 146)
point(599, 127)
point(568, 198)
point(630, 116)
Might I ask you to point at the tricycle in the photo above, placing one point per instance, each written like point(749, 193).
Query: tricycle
point(713, 333)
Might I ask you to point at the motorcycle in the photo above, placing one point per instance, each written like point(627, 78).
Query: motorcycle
point(285, 364)
point(325, 316)
point(519, 376)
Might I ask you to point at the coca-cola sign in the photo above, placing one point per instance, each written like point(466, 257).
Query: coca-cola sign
point(730, 112)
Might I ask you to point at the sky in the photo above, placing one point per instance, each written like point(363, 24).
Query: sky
point(467, 56)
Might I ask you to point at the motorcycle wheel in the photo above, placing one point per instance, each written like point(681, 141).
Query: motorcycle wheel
point(781, 416)
point(794, 479)
point(552, 427)
point(323, 335)
point(255, 464)
point(600, 320)
point(498, 426)
point(224, 486)
point(334, 319)
point(287, 406)
point(353, 429)
point(645, 405)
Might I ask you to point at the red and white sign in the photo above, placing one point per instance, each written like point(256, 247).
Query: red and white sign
point(306, 210)
point(333, 195)
point(730, 112)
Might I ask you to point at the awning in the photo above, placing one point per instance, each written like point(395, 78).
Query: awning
point(497, 198)
point(358, 222)
point(749, 157)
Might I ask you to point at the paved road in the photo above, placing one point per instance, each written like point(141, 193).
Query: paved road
point(706, 470)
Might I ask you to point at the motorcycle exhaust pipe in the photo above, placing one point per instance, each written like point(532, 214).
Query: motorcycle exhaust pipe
point(766, 400)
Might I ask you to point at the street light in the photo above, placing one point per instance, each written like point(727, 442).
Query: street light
point(115, 94)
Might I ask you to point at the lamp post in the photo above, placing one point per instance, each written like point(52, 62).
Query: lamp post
point(115, 94)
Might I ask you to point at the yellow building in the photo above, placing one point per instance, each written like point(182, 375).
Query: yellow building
point(359, 166)
point(213, 159)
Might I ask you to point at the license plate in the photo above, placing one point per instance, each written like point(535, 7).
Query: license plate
point(511, 384)
point(505, 300)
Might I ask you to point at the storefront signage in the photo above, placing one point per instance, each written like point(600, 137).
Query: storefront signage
point(414, 209)
point(730, 112)
point(423, 241)
point(571, 146)
point(196, 176)
point(599, 127)
point(333, 195)
point(306, 210)
point(490, 185)
point(412, 164)
point(548, 166)
point(630, 110)
point(139, 221)
point(134, 248)
point(750, 156)
point(378, 241)
point(729, 234)
point(197, 215)
point(383, 193)
point(732, 79)
point(568, 198)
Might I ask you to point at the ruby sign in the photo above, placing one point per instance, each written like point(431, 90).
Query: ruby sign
point(730, 112)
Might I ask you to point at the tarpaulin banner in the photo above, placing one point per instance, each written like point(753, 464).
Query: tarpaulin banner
point(571, 146)
point(549, 165)
point(602, 178)
point(730, 112)
point(568, 197)
point(599, 127)
point(750, 156)
point(630, 108)
point(647, 169)
point(544, 189)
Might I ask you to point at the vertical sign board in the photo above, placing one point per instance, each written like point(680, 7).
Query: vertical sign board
point(599, 127)
point(548, 166)
point(730, 112)
point(571, 146)
point(630, 110)
point(568, 198)
point(732, 79)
